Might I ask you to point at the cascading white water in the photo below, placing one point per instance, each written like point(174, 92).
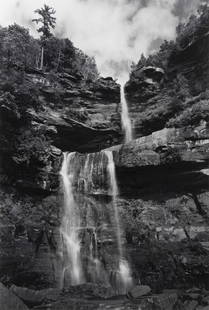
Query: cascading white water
point(114, 193)
point(125, 119)
point(123, 269)
point(70, 224)
point(91, 228)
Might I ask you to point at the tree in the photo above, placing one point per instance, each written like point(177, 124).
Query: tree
point(46, 19)
point(17, 48)
point(48, 22)
point(141, 62)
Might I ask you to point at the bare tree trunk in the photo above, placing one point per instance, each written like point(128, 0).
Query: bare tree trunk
point(37, 61)
point(198, 205)
point(42, 58)
point(58, 61)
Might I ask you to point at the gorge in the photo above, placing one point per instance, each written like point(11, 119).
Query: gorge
point(104, 186)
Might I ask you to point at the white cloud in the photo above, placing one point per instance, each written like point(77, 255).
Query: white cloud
point(116, 32)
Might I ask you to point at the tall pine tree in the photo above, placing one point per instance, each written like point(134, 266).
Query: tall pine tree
point(47, 22)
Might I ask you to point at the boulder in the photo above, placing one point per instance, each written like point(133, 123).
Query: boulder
point(35, 297)
point(139, 291)
point(150, 72)
point(9, 301)
point(190, 305)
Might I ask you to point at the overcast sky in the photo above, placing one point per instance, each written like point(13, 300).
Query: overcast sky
point(116, 32)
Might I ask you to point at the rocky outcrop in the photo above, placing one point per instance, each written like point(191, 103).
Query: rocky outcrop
point(30, 239)
point(34, 297)
point(79, 116)
point(157, 95)
point(51, 114)
point(9, 301)
point(166, 160)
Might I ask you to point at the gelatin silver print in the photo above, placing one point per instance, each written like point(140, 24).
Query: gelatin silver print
point(104, 155)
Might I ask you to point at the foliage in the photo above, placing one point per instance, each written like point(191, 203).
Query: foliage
point(161, 58)
point(165, 105)
point(17, 48)
point(141, 63)
point(19, 51)
point(132, 224)
point(86, 65)
point(47, 21)
point(194, 28)
point(187, 33)
point(59, 54)
point(192, 115)
point(31, 147)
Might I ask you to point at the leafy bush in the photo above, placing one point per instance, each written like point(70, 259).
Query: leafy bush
point(85, 65)
point(192, 115)
point(195, 27)
point(31, 147)
point(187, 33)
point(17, 47)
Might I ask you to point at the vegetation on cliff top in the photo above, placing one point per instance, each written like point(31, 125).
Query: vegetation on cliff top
point(22, 80)
point(186, 34)
point(181, 98)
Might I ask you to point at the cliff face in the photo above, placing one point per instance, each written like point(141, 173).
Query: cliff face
point(167, 160)
point(163, 180)
point(171, 95)
point(162, 175)
point(51, 115)
point(85, 115)
point(163, 205)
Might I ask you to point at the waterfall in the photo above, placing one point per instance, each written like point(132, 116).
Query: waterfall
point(91, 227)
point(125, 119)
point(123, 269)
point(114, 193)
point(70, 223)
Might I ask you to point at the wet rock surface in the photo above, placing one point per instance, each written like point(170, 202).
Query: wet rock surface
point(139, 291)
point(89, 297)
point(9, 301)
point(33, 297)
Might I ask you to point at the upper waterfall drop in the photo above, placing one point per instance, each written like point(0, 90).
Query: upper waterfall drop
point(125, 119)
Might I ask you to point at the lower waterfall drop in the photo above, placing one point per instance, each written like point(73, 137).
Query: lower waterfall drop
point(123, 268)
point(70, 224)
point(91, 229)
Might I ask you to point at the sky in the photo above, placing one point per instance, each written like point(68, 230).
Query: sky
point(115, 32)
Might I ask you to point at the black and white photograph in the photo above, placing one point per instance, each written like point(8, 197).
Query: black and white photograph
point(104, 155)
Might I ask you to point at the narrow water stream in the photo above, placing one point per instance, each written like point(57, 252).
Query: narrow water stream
point(125, 119)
